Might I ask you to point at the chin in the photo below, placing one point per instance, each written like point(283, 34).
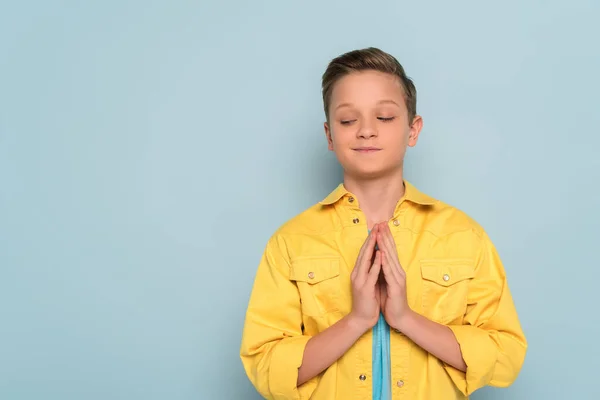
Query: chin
point(370, 169)
point(368, 173)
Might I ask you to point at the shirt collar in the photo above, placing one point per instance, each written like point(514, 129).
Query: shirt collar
point(411, 193)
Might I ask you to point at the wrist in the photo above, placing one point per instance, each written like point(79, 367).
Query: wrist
point(357, 325)
point(406, 320)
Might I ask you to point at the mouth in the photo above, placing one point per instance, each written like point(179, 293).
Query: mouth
point(366, 149)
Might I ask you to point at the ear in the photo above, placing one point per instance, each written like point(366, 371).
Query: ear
point(415, 130)
point(328, 136)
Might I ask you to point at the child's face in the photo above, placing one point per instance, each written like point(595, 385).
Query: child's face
point(368, 126)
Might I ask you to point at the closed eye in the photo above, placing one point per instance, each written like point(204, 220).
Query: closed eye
point(347, 121)
point(386, 119)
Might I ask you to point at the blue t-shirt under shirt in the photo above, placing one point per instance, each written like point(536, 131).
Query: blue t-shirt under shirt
point(381, 360)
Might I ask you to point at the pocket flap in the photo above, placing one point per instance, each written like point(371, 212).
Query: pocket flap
point(314, 270)
point(447, 273)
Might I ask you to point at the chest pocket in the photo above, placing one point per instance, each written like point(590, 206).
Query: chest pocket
point(318, 280)
point(445, 287)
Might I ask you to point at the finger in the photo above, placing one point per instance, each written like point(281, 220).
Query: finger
point(364, 261)
point(390, 236)
point(401, 270)
point(395, 269)
point(360, 256)
point(374, 272)
point(391, 247)
point(386, 237)
point(376, 232)
point(388, 271)
point(398, 268)
point(383, 240)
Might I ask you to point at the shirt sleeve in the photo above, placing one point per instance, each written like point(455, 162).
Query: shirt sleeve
point(273, 343)
point(491, 339)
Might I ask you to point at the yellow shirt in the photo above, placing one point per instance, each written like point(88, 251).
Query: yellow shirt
point(454, 277)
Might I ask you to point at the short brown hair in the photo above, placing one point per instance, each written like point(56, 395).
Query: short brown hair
point(363, 60)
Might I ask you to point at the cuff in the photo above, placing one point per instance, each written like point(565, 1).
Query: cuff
point(479, 353)
point(283, 374)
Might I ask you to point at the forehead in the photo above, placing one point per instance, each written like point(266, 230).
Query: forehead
point(366, 87)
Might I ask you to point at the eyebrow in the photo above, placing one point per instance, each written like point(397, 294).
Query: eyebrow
point(344, 105)
point(388, 101)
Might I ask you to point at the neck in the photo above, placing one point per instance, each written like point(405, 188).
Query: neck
point(377, 197)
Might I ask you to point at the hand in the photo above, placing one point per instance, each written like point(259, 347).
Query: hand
point(365, 293)
point(394, 303)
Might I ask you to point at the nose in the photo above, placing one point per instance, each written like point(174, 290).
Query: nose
point(367, 130)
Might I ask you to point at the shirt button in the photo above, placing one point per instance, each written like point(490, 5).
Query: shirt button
point(400, 383)
point(396, 222)
point(446, 277)
point(356, 220)
point(362, 377)
point(351, 199)
point(311, 275)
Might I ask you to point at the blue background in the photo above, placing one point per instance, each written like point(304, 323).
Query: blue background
point(149, 149)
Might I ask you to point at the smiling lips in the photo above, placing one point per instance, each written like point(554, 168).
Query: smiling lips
point(367, 150)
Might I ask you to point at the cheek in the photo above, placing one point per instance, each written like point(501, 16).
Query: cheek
point(395, 135)
point(341, 136)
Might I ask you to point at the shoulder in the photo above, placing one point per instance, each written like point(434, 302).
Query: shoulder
point(431, 215)
point(304, 231)
point(314, 220)
point(442, 219)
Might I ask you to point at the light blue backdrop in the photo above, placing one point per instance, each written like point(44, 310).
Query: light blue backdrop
point(149, 149)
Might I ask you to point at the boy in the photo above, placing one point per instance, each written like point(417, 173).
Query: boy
point(379, 291)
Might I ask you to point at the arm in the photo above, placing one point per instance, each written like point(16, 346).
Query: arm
point(328, 346)
point(488, 348)
point(432, 337)
point(491, 338)
point(273, 343)
point(436, 339)
point(282, 362)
